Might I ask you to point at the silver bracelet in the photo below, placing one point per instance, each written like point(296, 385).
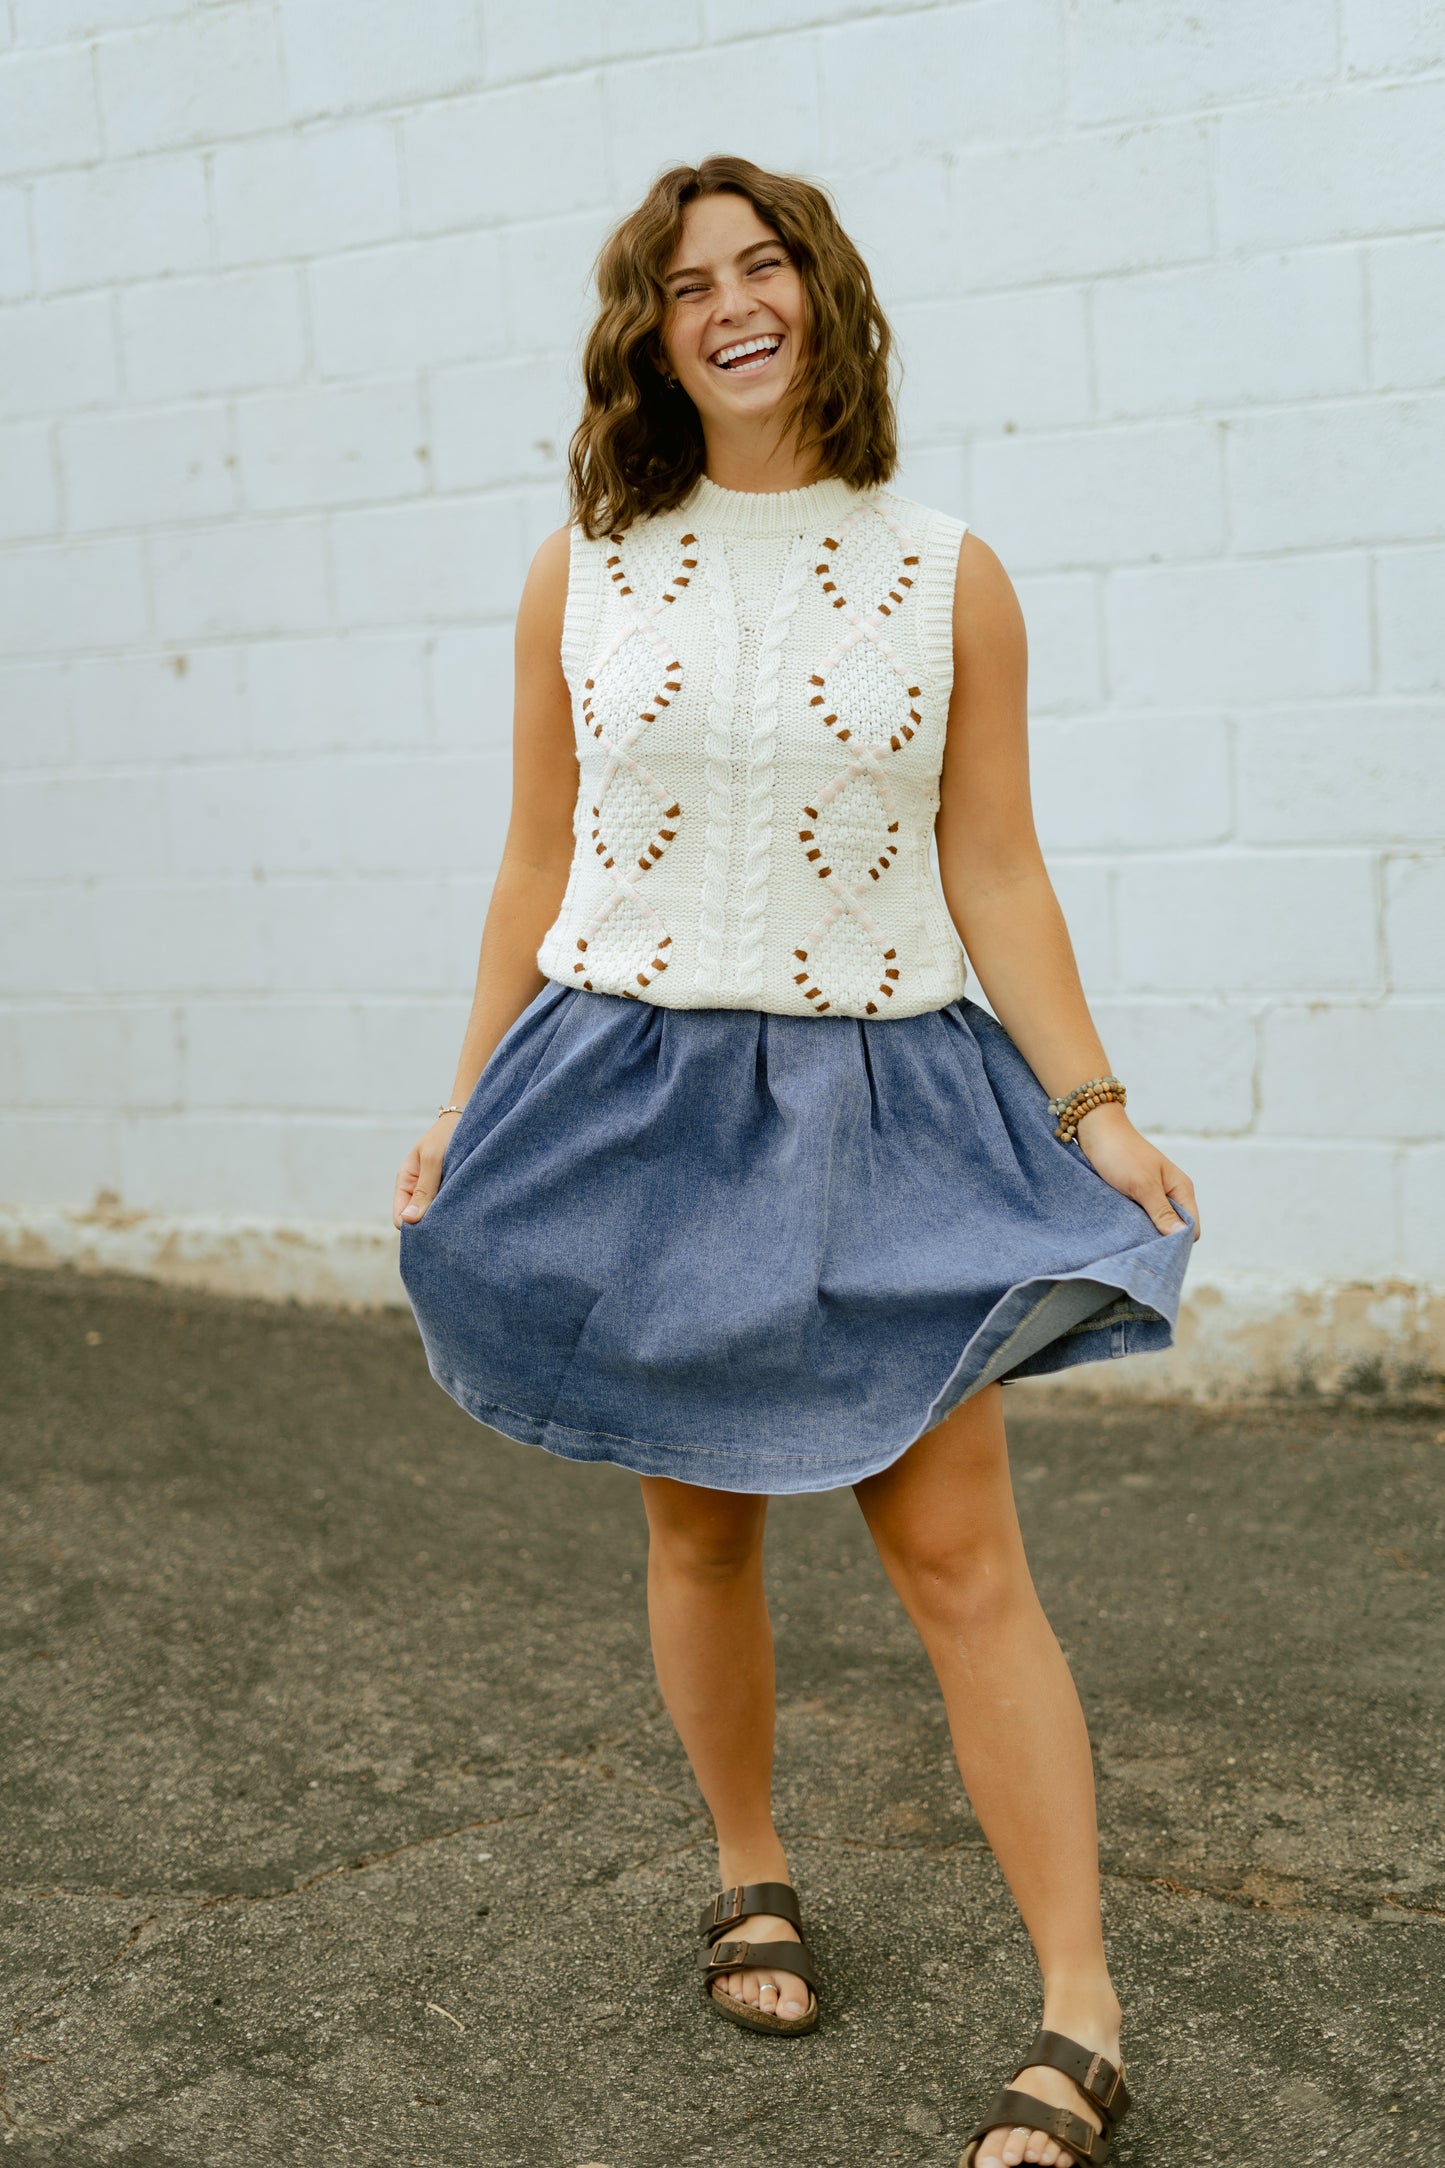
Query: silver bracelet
point(449, 1110)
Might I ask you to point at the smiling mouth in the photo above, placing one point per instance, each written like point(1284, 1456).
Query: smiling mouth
point(747, 356)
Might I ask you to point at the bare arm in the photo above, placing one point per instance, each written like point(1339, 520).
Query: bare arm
point(998, 890)
point(536, 859)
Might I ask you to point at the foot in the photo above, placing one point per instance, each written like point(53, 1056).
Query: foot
point(779, 1994)
point(1007, 2148)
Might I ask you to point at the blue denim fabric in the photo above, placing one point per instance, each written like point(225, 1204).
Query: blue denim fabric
point(762, 1252)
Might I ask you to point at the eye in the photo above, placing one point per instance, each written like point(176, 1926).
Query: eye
point(768, 263)
point(680, 293)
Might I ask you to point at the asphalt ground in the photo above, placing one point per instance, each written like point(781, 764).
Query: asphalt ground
point(341, 1821)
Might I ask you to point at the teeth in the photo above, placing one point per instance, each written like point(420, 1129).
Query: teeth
point(768, 345)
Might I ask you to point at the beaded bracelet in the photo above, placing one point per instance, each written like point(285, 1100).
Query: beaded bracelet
point(1071, 1109)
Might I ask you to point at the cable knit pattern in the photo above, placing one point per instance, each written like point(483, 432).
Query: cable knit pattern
point(787, 658)
point(752, 916)
point(713, 899)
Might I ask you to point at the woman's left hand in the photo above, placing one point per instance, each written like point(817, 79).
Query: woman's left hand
point(1115, 1149)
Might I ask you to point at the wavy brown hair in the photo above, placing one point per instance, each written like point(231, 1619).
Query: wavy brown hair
point(639, 448)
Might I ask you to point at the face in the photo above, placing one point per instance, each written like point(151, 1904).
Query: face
point(735, 328)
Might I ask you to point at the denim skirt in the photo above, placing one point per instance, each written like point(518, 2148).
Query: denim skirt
point(766, 1253)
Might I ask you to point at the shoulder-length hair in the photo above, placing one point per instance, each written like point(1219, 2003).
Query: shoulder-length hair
point(639, 448)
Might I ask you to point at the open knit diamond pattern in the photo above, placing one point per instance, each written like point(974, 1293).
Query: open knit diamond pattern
point(732, 661)
point(850, 832)
point(633, 679)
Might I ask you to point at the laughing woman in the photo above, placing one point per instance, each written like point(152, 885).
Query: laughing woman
point(735, 1185)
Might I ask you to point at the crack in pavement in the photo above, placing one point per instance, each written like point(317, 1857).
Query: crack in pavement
point(1256, 1900)
point(1221, 1892)
point(188, 1909)
point(194, 1906)
point(1287, 1893)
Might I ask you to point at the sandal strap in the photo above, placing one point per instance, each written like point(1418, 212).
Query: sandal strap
point(1099, 2080)
point(745, 1898)
point(1012, 2110)
point(794, 1957)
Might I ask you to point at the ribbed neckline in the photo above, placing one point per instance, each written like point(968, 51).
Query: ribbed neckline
point(769, 511)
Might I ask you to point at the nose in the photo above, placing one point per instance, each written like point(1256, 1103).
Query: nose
point(734, 301)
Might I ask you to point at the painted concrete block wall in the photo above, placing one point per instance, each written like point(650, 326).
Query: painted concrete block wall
point(290, 296)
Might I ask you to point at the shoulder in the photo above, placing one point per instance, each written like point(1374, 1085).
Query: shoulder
point(545, 586)
point(988, 623)
point(985, 604)
point(552, 557)
point(983, 594)
point(542, 609)
point(982, 585)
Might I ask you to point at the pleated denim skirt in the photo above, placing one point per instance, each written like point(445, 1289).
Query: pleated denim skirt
point(761, 1252)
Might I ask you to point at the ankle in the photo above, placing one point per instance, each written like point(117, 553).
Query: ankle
point(759, 1859)
point(1084, 2007)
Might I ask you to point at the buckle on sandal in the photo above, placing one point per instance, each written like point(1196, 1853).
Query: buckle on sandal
point(727, 1906)
point(1103, 2100)
point(712, 1959)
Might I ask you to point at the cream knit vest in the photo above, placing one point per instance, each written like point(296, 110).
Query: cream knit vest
point(760, 684)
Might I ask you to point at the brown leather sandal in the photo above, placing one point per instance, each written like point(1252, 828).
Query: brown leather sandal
point(718, 1956)
point(1101, 2084)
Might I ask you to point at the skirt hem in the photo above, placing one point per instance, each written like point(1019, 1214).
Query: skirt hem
point(1026, 1334)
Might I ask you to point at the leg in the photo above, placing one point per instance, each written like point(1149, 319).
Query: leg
point(712, 1644)
point(944, 1522)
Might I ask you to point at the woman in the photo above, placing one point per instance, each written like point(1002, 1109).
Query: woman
point(736, 1187)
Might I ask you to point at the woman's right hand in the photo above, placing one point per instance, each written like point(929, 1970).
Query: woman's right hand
point(420, 1174)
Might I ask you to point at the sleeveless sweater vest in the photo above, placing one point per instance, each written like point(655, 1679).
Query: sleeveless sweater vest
point(760, 686)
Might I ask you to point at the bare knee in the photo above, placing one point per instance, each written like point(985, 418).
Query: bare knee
point(703, 1536)
point(968, 1576)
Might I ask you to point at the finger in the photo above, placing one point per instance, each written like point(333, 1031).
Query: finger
point(421, 1197)
point(1156, 1203)
point(406, 1177)
point(429, 1181)
point(1181, 1190)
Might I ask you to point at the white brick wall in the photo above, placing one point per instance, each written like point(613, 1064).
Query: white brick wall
point(290, 295)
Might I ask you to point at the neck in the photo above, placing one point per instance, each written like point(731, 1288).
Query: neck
point(746, 460)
